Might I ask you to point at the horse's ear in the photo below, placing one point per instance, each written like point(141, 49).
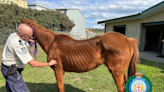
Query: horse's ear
point(23, 20)
point(27, 19)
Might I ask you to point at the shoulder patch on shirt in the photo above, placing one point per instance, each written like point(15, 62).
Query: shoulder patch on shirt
point(20, 42)
point(24, 50)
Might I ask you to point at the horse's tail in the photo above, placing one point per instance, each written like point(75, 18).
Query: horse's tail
point(135, 57)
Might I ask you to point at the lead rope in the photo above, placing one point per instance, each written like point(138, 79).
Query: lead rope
point(33, 44)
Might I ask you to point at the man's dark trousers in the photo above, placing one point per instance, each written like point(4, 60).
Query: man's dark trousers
point(12, 84)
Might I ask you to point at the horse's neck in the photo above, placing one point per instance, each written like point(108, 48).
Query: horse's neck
point(44, 38)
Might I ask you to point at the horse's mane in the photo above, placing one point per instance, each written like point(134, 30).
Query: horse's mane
point(44, 35)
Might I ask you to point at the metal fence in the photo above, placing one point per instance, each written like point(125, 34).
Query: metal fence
point(4, 33)
point(90, 35)
point(80, 35)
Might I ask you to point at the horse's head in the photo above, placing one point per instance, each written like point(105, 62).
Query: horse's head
point(31, 23)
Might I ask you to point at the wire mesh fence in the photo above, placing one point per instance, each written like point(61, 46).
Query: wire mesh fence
point(80, 35)
point(4, 33)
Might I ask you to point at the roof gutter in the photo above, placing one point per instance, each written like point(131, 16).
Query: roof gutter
point(135, 16)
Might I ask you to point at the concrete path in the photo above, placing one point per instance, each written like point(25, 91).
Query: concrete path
point(151, 55)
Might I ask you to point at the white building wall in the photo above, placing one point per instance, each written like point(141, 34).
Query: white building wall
point(79, 20)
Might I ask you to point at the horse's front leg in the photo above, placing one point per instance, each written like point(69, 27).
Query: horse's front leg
point(59, 73)
point(60, 79)
point(58, 68)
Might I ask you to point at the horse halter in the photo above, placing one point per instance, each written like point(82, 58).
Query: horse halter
point(33, 44)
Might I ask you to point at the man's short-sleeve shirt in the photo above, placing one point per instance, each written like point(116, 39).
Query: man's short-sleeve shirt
point(16, 52)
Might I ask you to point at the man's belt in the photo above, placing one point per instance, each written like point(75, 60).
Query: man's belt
point(9, 66)
point(11, 70)
point(5, 65)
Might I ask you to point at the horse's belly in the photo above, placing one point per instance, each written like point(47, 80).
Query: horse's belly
point(82, 67)
point(83, 63)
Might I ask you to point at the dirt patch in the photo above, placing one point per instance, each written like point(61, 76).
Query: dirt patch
point(77, 79)
point(73, 80)
point(89, 77)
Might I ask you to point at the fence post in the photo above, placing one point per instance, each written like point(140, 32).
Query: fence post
point(87, 34)
point(16, 25)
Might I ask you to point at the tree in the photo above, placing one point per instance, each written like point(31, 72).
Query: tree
point(11, 14)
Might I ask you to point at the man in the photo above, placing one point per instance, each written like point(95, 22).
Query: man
point(16, 52)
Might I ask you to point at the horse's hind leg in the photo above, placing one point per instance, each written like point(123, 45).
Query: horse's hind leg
point(119, 80)
point(119, 76)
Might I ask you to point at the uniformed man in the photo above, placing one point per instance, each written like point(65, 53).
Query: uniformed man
point(16, 52)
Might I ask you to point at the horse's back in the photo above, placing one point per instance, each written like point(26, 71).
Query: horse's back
point(67, 40)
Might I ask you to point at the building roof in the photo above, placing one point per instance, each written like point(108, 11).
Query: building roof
point(141, 15)
point(71, 9)
point(40, 6)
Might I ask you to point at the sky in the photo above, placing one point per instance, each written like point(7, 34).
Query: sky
point(99, 10)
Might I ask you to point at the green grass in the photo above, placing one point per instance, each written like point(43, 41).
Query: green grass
point(155, 72)
point(100, 80)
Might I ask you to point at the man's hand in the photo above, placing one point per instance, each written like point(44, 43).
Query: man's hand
point(52, 62)
point(34, 63)
point(31, 40)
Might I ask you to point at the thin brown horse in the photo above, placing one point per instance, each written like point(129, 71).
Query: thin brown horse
point(113, 49)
